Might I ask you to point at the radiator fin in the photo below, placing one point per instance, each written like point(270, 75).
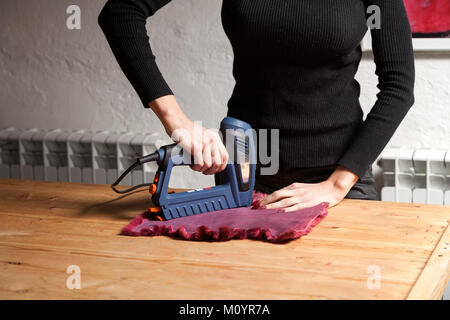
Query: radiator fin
point(416, 175)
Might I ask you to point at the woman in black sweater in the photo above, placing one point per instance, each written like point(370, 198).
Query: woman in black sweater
point(294, 66)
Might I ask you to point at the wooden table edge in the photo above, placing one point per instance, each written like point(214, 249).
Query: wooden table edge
point(433, 279)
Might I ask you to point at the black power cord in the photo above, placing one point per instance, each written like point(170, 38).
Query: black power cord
point(151, 157)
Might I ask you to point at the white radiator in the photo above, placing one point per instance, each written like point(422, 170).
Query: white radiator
point(84, 156)
point(416, 176)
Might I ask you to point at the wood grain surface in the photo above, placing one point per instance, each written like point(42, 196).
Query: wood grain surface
point(45, 227)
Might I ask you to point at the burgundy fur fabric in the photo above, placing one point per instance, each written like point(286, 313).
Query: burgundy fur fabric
point(237, 223)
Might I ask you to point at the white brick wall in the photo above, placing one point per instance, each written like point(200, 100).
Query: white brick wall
point(52, 77)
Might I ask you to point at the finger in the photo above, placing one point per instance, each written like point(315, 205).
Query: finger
point(207, 159)
point(198, 158)
point(224, 155)
point(295, 185)
point(286, 202)
point(299, 206)
point(216, 160)
point(275, 196)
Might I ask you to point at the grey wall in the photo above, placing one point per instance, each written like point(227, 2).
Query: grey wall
point(52, 77)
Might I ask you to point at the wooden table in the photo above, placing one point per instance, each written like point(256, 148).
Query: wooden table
point(45, 227)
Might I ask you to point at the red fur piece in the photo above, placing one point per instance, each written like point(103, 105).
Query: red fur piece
point(238, 223)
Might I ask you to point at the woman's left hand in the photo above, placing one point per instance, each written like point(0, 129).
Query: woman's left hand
point(304, 195)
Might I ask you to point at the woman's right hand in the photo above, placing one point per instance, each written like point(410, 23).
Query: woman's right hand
point(210, 155)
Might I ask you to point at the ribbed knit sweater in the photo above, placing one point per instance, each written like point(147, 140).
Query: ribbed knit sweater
point(294, 64)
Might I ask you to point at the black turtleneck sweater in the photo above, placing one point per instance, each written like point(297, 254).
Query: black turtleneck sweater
point(294, 66)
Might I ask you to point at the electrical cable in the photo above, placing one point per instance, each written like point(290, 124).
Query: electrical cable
point(140, 161)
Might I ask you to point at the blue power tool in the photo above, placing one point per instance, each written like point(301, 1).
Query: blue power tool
point(234, 185)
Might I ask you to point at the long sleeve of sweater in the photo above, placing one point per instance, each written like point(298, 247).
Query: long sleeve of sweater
point(394, 59)
point(123, 23)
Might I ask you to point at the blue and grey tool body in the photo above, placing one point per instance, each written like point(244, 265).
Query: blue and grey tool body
point(234, 185)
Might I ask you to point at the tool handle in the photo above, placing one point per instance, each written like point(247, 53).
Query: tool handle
point(174, 155)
